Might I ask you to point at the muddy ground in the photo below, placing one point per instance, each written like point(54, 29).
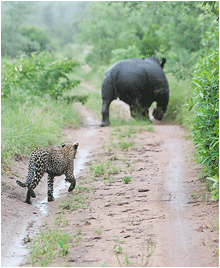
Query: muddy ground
point(148, 208)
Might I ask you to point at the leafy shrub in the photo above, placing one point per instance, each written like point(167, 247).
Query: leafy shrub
point(123, 54)
point(38, 76)
point(36, 34)
point(204, 107)
point(33, 110)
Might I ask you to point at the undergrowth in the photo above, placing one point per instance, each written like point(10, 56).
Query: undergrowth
point(32, 123)
point(34, 104)
point(47, 246)
point(51, 243)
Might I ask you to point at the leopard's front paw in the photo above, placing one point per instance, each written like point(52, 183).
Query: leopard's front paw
point(72, 186)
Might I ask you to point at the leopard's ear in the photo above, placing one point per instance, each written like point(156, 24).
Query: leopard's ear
point(76, 146)
point(63, 144)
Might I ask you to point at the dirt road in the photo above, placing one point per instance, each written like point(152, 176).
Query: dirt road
point(138, 201)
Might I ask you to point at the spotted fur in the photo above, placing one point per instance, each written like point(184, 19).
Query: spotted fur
point(53, 162)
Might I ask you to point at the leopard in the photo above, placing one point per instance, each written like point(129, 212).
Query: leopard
point(54, 163)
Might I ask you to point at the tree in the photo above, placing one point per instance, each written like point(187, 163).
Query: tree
point(15, 14)
point(166, 29)
point(37, 35)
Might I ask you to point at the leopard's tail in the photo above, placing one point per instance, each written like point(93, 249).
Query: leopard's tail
point(21, 183)
point(31, 172)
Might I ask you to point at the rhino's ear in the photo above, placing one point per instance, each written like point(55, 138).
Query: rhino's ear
point(76, 146)
point(63, 144)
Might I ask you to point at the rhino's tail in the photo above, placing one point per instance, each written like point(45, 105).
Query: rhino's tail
point(163, 62)
point(22, 184)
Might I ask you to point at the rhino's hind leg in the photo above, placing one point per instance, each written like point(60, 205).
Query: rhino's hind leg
point(105, 113)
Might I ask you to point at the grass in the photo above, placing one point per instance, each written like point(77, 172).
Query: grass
point(124, 145)
point(126, 179)
point(99, 231)
point(32, 123)
point(74, 203)
point(98, 170)
point(48, 245)
point(51, 243)
point(180, 92)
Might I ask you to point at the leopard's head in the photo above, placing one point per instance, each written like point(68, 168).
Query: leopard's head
point(69, 149)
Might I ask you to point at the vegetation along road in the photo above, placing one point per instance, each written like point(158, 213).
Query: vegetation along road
point(146, 191)
point(138, 202)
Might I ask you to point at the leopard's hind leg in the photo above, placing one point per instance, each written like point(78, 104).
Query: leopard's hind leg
point(31, 174)
point(32, 186)
point(50, 181)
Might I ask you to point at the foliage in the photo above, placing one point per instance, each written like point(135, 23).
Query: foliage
point(124, 145)
point(46, 246)
point(17, 38)
point(180, 93)
point(38, 76)
point(123, 54)
point(215, 187)
point(98, 170)
point(33, 93)
point(151, 27)
point(30, 26)
point(205, 112)
point(103, 29)
point(28, 122)
point(126, 179)
point(37, 35)
point(13, 42)
point(65, 247)
point(74, 203)
point(81, 98)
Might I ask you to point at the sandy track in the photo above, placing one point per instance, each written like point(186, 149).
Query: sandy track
point(163, 210)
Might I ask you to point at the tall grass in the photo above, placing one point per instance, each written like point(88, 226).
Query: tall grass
point(180, 93)
point(32, 123)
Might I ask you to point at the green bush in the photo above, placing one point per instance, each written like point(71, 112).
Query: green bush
point(204, 107)
point(123, 54)
point(35, 106)
point(34, 35)
point(38, 76)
